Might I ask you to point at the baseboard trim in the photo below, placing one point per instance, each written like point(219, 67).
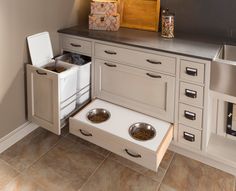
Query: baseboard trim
point(204, 158)
point(16, 135)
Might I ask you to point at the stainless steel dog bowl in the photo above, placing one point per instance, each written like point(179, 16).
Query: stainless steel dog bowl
point(98, 115)
point(142, 131)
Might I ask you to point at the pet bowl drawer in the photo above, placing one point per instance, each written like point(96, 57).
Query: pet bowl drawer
point(113, 134)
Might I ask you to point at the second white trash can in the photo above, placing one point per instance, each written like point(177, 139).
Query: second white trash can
point(83, 64)
point(52, 85)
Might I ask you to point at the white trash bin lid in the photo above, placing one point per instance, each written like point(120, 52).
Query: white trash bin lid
point(40, 49)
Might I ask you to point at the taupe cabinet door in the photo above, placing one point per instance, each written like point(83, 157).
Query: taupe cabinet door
point(144, 91)
point(43, 96)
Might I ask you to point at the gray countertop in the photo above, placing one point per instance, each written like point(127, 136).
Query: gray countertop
point(183, 45)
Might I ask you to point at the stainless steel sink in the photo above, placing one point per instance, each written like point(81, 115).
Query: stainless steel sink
point(223, 71)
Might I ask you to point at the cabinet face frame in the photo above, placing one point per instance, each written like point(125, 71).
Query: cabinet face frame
point(34, 74)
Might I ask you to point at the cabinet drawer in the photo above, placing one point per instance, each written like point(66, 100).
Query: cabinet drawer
point(190, 137)
point(191, 94)
point(135, 58)
point(190, 116)
point(147, 92)
point(77, 45)
point(192, 71)
point(113, 134)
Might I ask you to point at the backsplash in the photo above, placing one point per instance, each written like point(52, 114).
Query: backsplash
point(206, 17)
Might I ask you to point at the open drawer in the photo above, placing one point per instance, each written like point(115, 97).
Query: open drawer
point(114, 135)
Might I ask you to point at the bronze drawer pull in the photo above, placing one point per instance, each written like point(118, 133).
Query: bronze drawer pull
point(153, 62)
point(189, 137)
point(110, 52)
point(191, 71)
point(110, 65)
point(190, 93)
point(75, 45)
point(41, 73)
point(85, 133)
point(153, 76)
point(190, 115)
point(132, 155)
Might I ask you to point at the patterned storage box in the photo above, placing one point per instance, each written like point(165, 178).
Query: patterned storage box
point(104, 7)
point(104, 22)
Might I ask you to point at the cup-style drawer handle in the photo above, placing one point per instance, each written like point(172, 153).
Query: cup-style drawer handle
point(110, 65)
point(41, 73)
point(191, 71)
point(190, 115)
point(133, 155)
point(189, 137)
point(85, 133)
point(190, 93)
point(110, 52)
point(75, 45)
point(153, 62)
point(153, 76)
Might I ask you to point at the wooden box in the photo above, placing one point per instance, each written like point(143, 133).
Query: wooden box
point(104, 7)
point(104, 22)
point(140, 14)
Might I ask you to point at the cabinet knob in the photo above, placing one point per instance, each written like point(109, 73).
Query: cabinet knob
point(189, 137)
point(190, 93)
point(190, 115)
point(133, 155)
point(191, 71)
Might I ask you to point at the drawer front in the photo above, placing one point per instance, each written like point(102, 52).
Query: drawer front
point(190, 137)
point(147, 92)
point(191, 94)
point(192, 71)
point(77, 45)
point(136, 58)
point(122, 147)
point(190, 116)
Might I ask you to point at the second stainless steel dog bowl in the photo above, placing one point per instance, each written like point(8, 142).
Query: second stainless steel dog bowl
point(142, 131)
point(98, 115)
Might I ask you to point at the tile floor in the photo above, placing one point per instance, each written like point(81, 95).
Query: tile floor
point(43, 161)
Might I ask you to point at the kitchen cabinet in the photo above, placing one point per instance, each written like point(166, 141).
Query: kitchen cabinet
point(145, 91)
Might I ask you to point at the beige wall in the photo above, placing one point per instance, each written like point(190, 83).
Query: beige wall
point(18, 19)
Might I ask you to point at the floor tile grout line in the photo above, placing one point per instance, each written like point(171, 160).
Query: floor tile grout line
point(172, 158)
point(74, 141)
point(168, 166)
point(24, 172)
point(88, 179)
point(137, 170)
point(36, 159)
point(41, 156)
point(10, 166)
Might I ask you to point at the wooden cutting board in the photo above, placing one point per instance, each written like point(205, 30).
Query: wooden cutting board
point(140, 14)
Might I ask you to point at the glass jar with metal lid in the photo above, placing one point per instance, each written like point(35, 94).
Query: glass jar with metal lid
point(167, 20)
